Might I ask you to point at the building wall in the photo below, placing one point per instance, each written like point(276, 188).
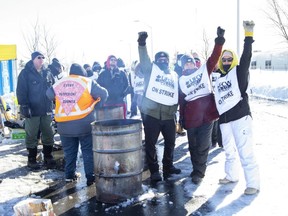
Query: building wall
point(270, 60)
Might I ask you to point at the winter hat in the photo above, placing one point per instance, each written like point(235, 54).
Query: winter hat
point(35, 54)
point(161, 54)
point(185, 59)
point(77, 69)
point(86, 66)
point(107, 63)
point(178, 60)
point(96, 66)
point(56, 63)
point(120, 63)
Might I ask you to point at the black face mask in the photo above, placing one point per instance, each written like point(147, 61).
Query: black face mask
point(226, 67)
point(189, 71)
point(164, 66)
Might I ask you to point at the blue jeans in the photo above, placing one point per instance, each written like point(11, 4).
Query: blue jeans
point(70, 148)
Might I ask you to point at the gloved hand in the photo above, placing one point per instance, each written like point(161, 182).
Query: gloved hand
point(142, 36)
point(248, 27)
point(25, 111)
point(127, 91)
point(220, 32)
point(220, 36)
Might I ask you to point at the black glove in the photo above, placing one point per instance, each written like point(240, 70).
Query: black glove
point(220, 33)
point(142, 36)
point(127, 91)
point(25, 111)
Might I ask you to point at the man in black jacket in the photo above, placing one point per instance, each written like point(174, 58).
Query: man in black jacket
point(33, 81)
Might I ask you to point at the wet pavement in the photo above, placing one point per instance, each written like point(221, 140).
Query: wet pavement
point(162, 198)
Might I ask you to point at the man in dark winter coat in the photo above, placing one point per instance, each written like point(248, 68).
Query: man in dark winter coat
point(235, 115)
point(33, 81)
point(116, 83)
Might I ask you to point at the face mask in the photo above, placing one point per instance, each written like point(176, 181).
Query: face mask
point(189, 71)
point(226, 67)
point(163, 66)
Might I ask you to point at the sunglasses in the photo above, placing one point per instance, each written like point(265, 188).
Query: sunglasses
point(227, 59)
point(40, 57)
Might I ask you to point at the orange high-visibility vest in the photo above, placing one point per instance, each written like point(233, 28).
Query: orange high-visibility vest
point(73, 98)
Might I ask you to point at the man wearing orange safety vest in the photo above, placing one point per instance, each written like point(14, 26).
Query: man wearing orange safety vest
point(76, 96)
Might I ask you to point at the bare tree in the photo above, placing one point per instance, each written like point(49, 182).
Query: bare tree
point(205, 52)
point(277, 13)
point(40, 38)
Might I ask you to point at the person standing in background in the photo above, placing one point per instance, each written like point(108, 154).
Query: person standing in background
point(216, 132)
point(116, 83)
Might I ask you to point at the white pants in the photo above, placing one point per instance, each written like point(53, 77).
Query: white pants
point(237, 137)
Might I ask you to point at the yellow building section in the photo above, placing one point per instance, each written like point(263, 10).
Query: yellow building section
point(7, 52)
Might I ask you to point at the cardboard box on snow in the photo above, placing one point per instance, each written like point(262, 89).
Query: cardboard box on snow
point(34, 207)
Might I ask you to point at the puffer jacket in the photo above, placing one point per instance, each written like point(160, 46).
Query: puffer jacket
point(31, 89)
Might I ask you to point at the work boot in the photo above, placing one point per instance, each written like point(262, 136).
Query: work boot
point(168, 171)
point(49, 161)
point(155, 177)
point(32, 162)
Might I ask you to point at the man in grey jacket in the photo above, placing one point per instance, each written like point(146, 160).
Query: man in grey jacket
point(158, 107)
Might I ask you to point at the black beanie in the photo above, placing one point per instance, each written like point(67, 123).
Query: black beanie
point(86, 66)
point(35, 54)
point(56, 63)
point(77, 69)
point(161, 54)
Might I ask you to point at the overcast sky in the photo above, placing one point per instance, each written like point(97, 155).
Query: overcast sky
point(90, 30)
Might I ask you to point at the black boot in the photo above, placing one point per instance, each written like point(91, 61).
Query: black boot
point(49, 161)
point(32, 163)
point(169, 170)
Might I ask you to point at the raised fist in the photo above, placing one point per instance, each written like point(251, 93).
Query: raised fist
point(220, 32)
point(248, 26)
point(142, 36)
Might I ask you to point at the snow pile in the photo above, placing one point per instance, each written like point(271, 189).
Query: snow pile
point(269, 84)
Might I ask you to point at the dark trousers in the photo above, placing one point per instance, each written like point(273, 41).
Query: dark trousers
point(133, 107)
point(199, 144)
point(152, 129)
point(216, 134)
